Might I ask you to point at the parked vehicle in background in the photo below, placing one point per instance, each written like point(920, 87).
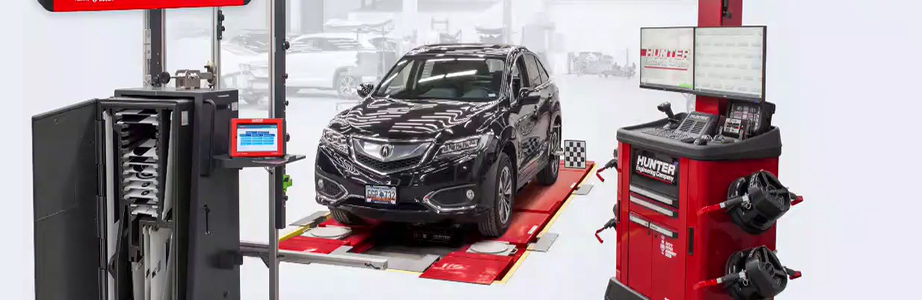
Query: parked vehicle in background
point(326, 61)
point(598, 63)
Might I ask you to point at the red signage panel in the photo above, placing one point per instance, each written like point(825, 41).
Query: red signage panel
point(97, 5)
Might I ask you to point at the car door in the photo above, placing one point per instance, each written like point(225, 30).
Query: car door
point(528, 141)
point(542, 110)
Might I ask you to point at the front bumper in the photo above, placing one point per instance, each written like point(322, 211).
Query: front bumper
point(429, 193)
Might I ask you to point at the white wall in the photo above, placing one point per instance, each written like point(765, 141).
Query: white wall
point(844, 75)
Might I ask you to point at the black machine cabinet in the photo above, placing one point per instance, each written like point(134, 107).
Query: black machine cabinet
point(128, 201)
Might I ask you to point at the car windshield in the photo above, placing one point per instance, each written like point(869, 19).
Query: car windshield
point(458, 78)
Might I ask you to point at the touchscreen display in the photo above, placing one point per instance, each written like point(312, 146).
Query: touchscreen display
point(257, 138)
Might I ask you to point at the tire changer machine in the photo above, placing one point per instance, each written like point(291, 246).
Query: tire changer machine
point(697, 195)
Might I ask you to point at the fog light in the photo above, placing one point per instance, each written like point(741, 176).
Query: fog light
point(470, 194)
point(320, 184)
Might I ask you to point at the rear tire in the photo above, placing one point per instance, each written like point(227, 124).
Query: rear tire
point(497, 220)
point(345, 217)
point(548, 175)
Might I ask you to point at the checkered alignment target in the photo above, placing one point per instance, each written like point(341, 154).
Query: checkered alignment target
point(574, 154)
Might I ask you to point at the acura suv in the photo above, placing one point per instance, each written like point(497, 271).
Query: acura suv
point(451, 133)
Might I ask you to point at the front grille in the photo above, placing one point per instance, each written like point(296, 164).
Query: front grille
point(387, 166)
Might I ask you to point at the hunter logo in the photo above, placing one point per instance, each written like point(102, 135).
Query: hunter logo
point(649, 166)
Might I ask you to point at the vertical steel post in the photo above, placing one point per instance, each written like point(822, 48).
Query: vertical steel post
point(154, 46)
point(216, 33)
point(277, 29)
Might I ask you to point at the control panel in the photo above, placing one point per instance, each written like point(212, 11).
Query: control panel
point(740, 121)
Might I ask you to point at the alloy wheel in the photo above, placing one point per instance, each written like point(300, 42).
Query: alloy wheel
point(346, 85)
point(505, 195)
point(554, 148)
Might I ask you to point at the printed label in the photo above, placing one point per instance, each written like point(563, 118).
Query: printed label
point(666, 248)
point(652, 167)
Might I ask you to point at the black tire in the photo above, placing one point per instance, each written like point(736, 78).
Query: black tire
point(548, 175)
point(346, 85)
point(345, 217)
point(497, 220)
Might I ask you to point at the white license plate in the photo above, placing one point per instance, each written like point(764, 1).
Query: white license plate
point(381, 194)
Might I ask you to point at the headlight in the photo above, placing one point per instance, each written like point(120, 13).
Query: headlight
point(335, 140)
point(462, 146)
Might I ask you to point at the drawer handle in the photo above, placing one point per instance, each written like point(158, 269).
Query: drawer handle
point(652, 195)
point(653, 207)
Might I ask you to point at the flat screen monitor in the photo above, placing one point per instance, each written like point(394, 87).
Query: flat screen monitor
point(730, 62)
point(667, 57)
point(97, 5)
point(256, 138)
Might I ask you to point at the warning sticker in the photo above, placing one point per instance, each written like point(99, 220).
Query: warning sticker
point(666, 248)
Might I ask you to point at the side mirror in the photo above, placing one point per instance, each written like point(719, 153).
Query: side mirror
point(364, 89)
point(528, 96)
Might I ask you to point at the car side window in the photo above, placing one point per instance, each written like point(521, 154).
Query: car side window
point(542, 71)
point(534, 75)
point(519, 71)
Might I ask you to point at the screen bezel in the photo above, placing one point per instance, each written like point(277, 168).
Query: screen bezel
point(734, 96)
point(235, 124)
point(662, 87)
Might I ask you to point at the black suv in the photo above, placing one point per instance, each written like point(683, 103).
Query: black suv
point(450, 133)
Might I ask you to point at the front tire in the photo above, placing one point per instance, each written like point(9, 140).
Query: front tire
point(345, 217)
point(497, 220)
point(548, 175)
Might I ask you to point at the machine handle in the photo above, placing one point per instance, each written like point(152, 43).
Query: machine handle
point(613, 223)
point(611, 164)
point(207, 160)
point(792, 274)
point(723, 205)
point(717, 281)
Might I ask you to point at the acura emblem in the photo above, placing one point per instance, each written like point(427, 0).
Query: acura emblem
point(387, 151)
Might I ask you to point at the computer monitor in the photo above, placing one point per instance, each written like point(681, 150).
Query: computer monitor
point(730, 62)
point(667, 58)
point(256, 138)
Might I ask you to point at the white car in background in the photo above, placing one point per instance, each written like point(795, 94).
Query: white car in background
point(326, 61)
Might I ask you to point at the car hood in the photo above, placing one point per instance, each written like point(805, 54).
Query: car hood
point(415, 119)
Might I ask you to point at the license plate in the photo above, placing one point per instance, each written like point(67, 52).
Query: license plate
point(381, 194)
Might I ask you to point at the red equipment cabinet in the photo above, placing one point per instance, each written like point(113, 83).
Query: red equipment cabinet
point(664, 247)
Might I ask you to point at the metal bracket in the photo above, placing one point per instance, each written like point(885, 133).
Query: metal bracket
point(338, 257)
point(313, 220)
point(544, 242)
point(583, 189)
